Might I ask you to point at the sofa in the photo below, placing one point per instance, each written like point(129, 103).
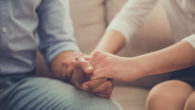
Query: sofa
point(90, 19)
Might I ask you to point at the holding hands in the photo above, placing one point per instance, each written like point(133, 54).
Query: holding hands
point(78, 71)
point(114, 67)
point(94, 74)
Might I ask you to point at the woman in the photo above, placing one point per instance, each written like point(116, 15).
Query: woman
point(175, 94)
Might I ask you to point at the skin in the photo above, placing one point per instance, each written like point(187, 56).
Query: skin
point(168, 95)
point(128, 69)
point(73, 67)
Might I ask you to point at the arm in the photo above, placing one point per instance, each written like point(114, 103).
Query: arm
point(177, 56)
point(125, 25)
point(56, 34)
point(58, 46)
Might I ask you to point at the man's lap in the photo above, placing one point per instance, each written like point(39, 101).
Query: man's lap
point(48, 94)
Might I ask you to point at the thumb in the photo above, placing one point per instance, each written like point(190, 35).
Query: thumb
point(84, 65)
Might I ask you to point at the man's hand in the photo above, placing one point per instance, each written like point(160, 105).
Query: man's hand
point(76, 67)
point(101, 87)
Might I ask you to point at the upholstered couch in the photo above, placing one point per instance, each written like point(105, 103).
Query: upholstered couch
point(90, 18)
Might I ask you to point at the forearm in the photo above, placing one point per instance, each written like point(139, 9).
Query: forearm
point(175, 57)
point(124, 26)
point(111, 42)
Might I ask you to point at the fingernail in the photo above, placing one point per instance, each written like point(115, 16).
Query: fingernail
point(89, 67)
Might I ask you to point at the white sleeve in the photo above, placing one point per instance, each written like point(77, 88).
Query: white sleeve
point(191, 40)
point(131, 17)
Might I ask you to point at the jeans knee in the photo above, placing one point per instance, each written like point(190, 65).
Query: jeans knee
point(67, 97)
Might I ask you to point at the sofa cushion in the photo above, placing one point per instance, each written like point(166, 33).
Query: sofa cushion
point(88, 19)
point(130, 98)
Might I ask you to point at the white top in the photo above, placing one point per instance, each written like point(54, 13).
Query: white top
point(181, 15)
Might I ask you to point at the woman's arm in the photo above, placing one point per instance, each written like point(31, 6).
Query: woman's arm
point(177, 56)
point(125, 25)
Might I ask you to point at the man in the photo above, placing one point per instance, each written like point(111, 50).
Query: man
point(26, 25)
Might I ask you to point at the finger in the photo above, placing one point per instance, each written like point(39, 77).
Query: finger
point(87, 58)
point(85, 65)
point(85, 87)
point(78, 78)
point(77, 85)
point(91, 84)
point(104, 87)
point(99, 73)
point(107, 91)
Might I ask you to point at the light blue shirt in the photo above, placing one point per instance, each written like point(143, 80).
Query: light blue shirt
point(26, 25)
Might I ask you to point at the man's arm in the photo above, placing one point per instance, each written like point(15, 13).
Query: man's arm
point(59, 48)
point(55, 29)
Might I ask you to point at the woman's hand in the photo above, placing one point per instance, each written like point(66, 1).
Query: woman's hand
point(79, 70)
point(115, 67)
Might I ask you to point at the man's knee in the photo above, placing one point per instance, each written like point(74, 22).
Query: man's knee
point(52, 94)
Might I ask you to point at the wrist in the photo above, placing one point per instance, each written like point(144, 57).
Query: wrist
point(138, 67)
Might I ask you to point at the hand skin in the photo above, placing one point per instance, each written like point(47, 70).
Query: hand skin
point(101, 87)
point(72, 65)
point(175, 57)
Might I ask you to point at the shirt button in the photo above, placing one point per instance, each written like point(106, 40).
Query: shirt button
point(4, 29)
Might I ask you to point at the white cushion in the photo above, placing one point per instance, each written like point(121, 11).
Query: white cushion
point(112, 8)
point(130, 98)
point(88, 18)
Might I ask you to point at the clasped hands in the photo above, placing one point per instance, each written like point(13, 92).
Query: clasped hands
point(80, 71)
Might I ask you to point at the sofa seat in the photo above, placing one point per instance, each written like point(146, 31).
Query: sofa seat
point(130, 98)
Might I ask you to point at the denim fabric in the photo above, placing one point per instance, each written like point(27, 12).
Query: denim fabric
point(34, 93)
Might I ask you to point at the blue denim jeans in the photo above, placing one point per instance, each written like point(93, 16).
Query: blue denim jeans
point(23, 92)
